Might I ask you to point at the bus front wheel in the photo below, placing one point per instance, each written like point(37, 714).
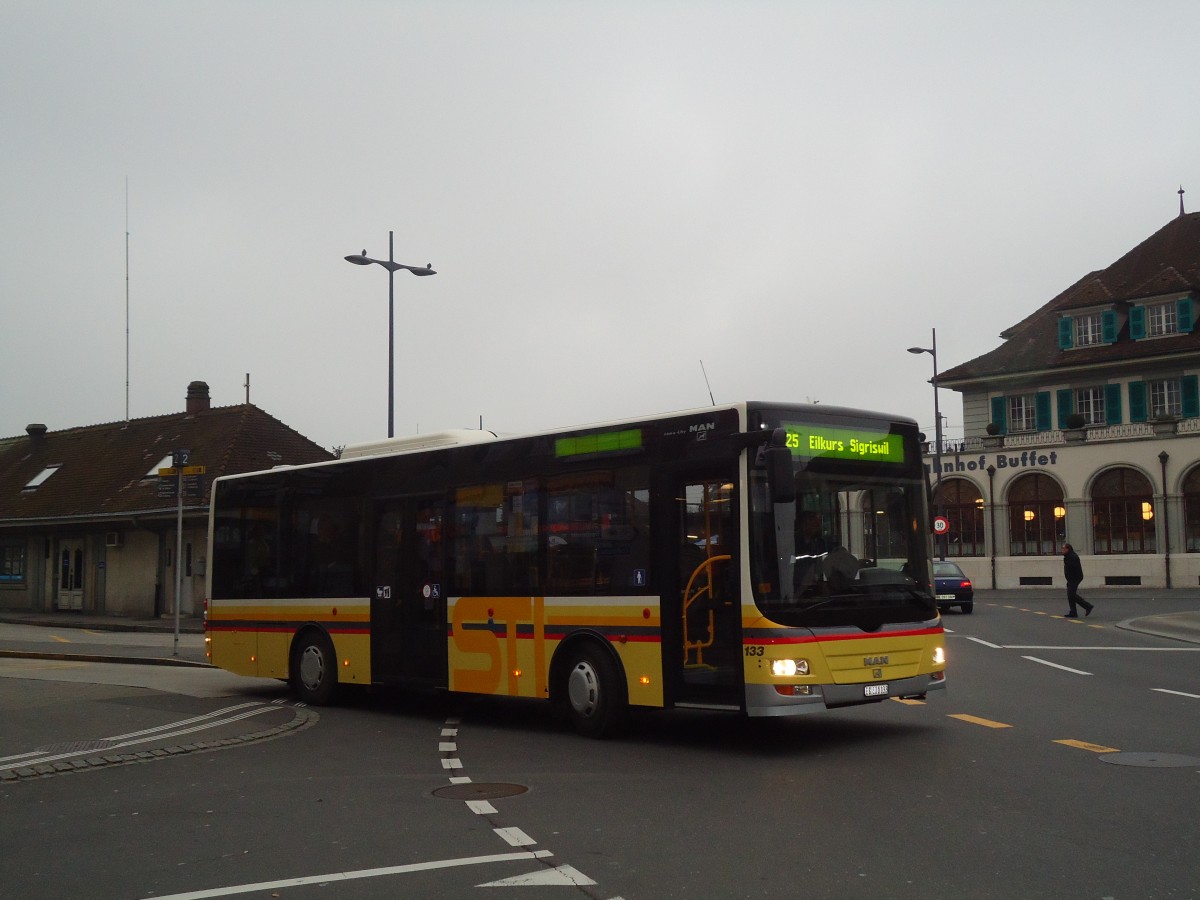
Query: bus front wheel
point(593, 694)
point(314, 669)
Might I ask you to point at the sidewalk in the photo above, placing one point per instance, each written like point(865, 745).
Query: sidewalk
point(1179, 626)
point(163, 625)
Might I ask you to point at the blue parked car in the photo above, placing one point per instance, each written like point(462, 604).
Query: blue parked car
point(952, 587)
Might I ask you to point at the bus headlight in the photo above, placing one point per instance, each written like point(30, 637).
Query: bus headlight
point(786, 668)
point(939, 656)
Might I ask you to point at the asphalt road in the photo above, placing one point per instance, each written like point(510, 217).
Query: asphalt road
point(1063, 761)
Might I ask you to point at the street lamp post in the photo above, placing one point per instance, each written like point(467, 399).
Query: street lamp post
point(1166, 518)
point(361, 259)
point(937, 434)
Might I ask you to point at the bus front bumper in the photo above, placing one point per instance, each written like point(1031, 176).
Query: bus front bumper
point(766, 699)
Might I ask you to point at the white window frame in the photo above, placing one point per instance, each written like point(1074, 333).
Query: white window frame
point(1089, 330)
point(1022, 413)
point(1161, 319)
point(1089, 403)
point(1164, 398)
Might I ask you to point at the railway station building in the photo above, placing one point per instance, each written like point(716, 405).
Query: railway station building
point(1083, 427)
point(88, 524)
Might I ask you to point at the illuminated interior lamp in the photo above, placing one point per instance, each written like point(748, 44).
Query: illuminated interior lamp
point(1147, 510)
point(1030, 515)
point(1059, 512)
point(979, 503)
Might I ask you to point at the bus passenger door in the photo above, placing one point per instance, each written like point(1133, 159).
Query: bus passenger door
point(408, 604)
point(709, 654)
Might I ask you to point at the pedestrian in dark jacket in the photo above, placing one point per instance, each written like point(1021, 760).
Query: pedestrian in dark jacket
point(1073, 569)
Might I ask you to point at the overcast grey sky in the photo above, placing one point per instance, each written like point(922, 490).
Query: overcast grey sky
point(611, 192)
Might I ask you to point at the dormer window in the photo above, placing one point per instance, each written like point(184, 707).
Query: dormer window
point(1161, 319)
point(1087, 329)
point(1151, 320)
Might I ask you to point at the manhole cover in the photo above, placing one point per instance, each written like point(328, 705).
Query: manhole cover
point(1151, 760)
point(479, 791)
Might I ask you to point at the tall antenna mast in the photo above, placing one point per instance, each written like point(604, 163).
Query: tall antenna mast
point(126, 298)
point(706, 384)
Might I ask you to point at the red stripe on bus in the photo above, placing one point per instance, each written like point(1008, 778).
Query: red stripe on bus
point(820, 639)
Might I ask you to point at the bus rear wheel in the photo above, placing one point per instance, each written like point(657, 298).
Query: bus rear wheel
point(314, 669)
point(592, 693)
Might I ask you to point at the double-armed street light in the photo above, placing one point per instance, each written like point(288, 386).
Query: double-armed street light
point(937, 433)
point(361, 259)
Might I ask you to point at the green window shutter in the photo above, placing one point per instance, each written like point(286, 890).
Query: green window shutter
point(1041, 405)
point(1108, 326)
point(1066, 406)
point(1137, 401)
point(1066, 333)
point(1184, 315)
point(1189, 395)
point(1000, 413)
point(1137, 324)
point(1112, 404)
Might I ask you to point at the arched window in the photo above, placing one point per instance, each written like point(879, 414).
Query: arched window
point(1037, 516)
point(1123, 512)
point(962, 504)
point(1191, 510)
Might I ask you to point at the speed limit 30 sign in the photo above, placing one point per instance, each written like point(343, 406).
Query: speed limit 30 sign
point(941, 525)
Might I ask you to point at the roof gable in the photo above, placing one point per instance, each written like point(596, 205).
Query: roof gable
point(102, 469)
point(1166, 263)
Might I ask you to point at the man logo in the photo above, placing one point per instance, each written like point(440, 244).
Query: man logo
point(869, 661)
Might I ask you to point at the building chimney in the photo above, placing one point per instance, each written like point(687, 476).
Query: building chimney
point(197, 397)
point(36, 430)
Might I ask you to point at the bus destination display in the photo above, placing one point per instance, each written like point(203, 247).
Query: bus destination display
point(845, 443)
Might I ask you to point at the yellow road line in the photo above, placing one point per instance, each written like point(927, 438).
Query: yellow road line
point(909, 701)
point(1084, 745)
point(61, 640)
point(975, 720)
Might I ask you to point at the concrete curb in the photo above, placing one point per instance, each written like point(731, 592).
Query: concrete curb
point(304, 718)
point(103, 658)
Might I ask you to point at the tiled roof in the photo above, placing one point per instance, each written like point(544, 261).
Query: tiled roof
point(103, 469)
point(1166, 264)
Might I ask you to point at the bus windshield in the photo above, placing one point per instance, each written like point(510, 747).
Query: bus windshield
point(849, 550)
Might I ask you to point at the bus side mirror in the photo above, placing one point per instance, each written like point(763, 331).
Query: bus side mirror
point(780, 475)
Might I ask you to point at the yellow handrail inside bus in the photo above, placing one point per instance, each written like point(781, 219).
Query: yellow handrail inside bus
point(689, 598)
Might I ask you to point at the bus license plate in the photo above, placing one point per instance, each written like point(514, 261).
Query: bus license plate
point(875, 690)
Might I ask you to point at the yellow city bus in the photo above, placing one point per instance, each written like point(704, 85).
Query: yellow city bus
point(770, 559)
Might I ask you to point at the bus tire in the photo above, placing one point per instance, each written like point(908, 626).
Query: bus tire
point(592, 693)
point(314, 668)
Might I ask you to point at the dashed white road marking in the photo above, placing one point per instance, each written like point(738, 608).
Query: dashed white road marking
point(1056, 666)
point(515, 837)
